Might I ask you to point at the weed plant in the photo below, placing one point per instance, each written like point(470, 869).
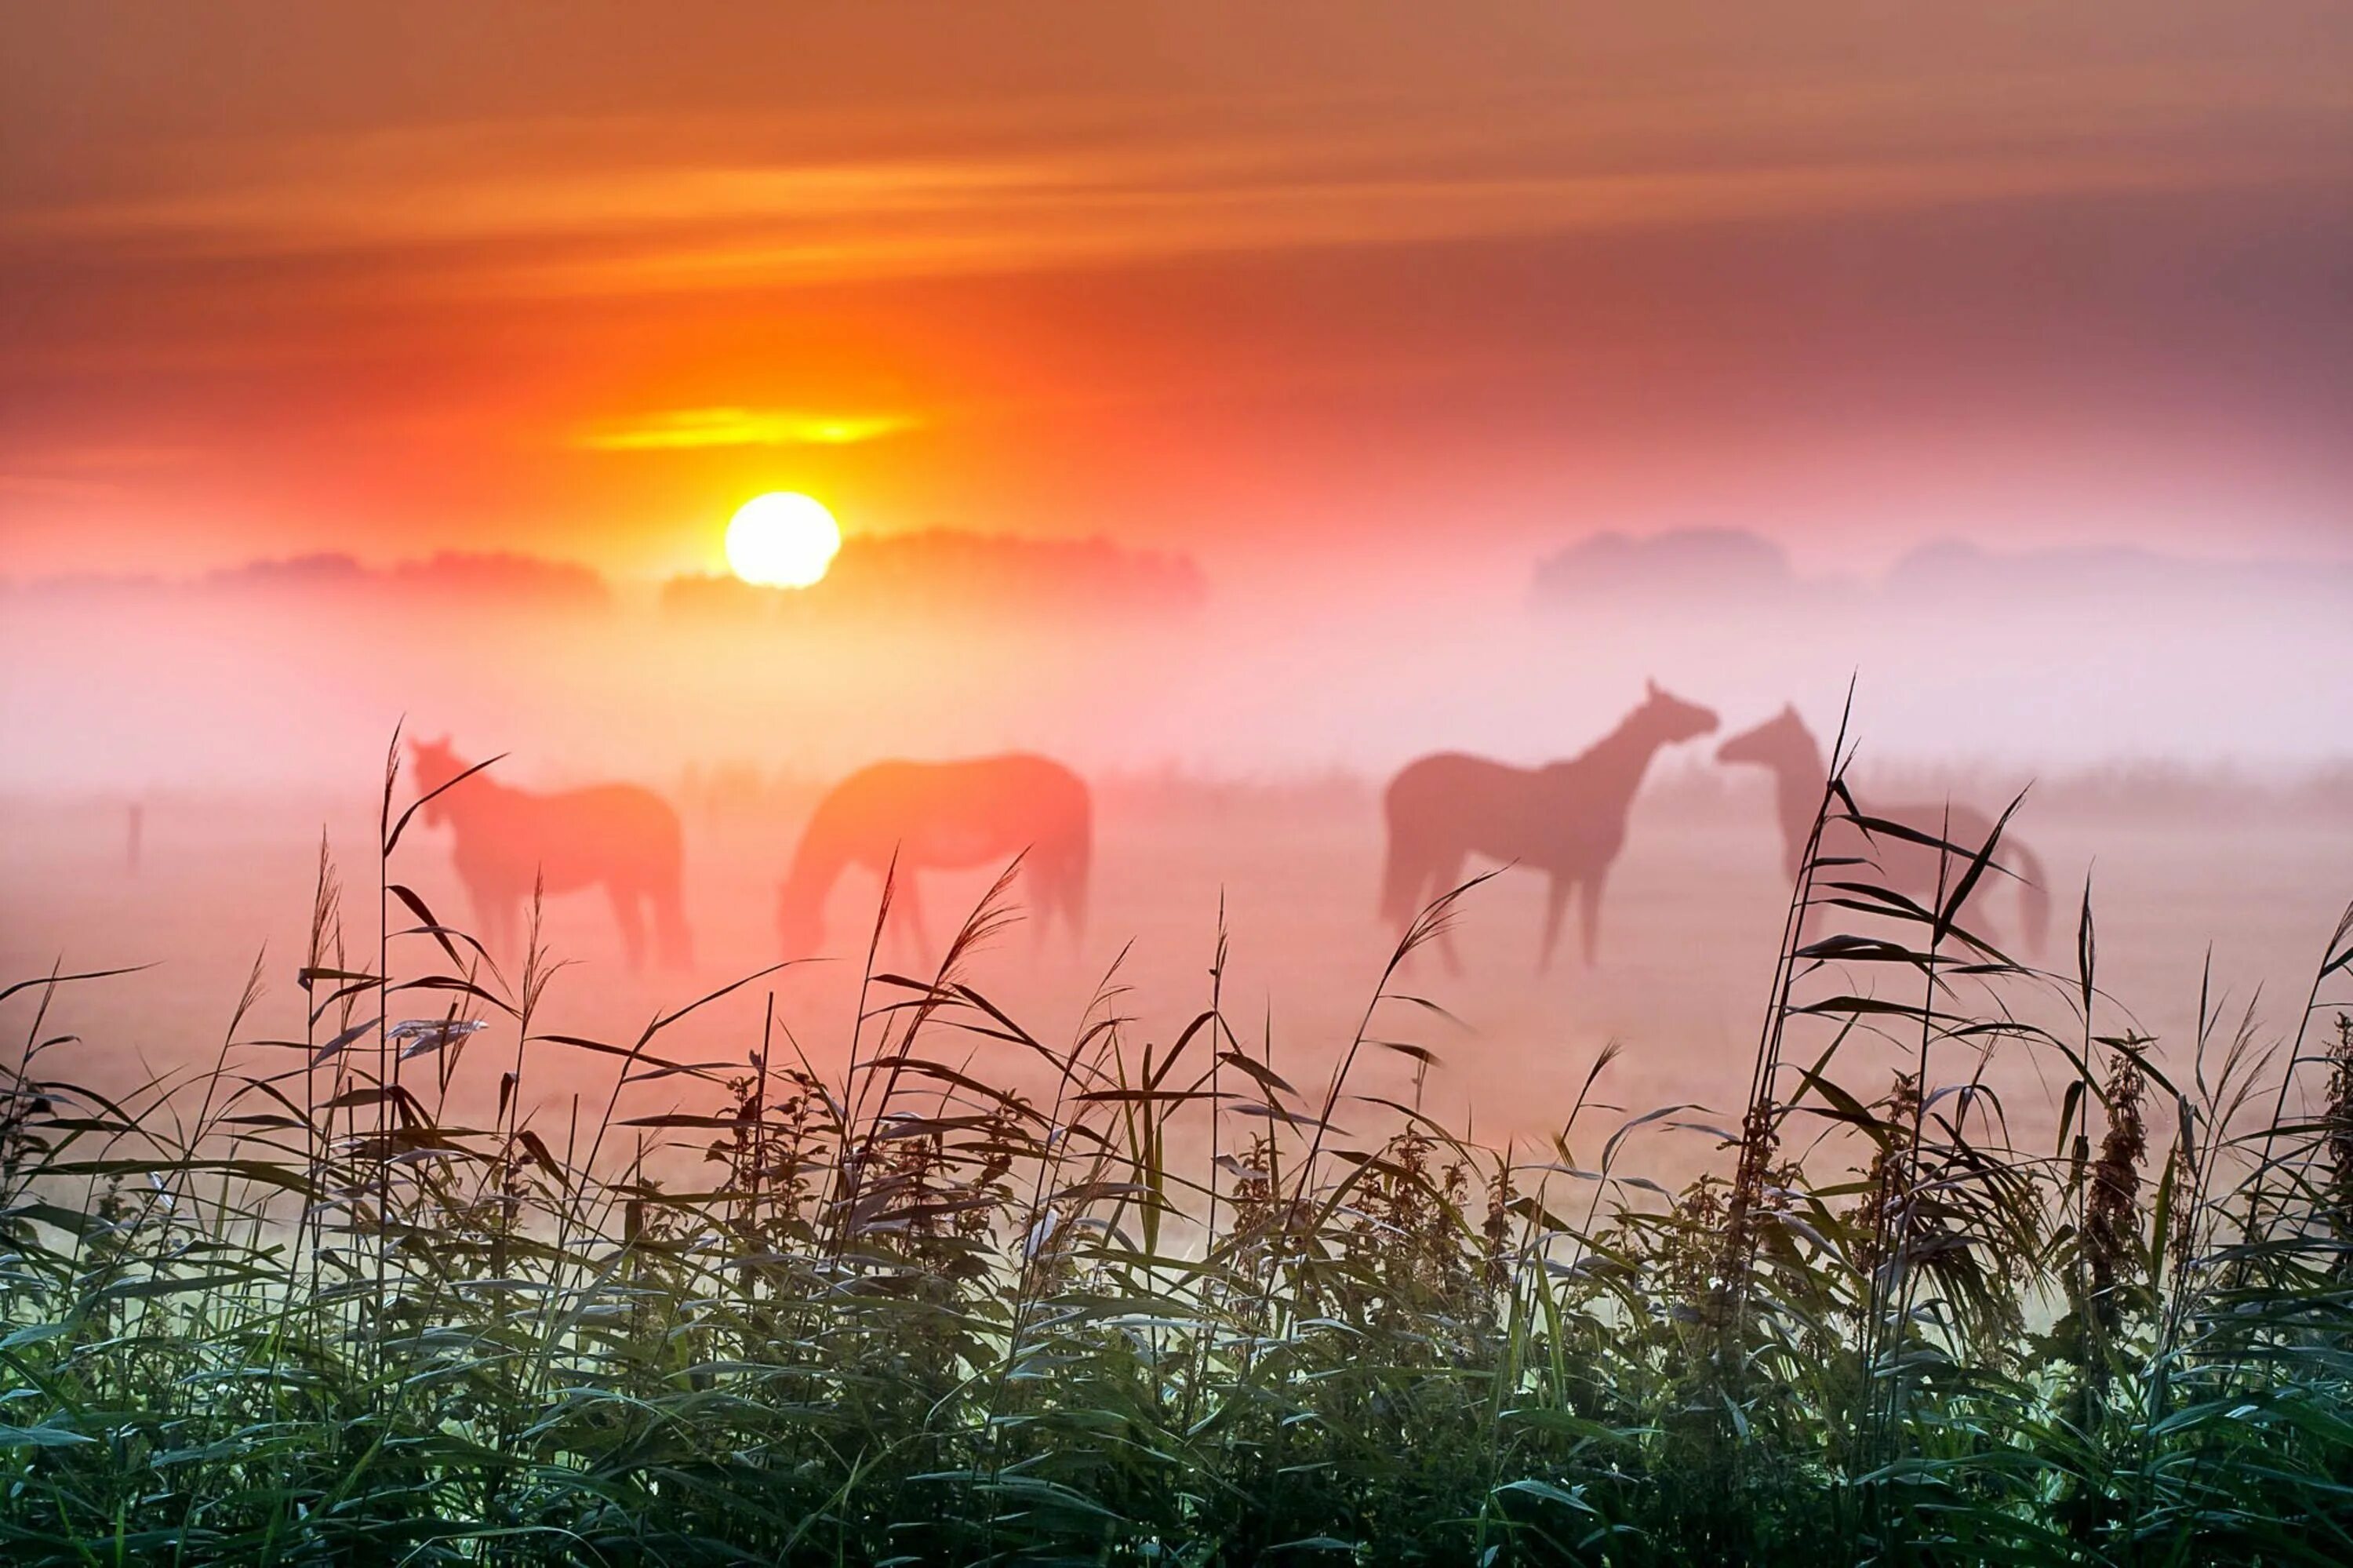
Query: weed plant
point(289, 1309)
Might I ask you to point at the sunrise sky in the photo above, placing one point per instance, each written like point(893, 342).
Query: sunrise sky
point(1241, 279)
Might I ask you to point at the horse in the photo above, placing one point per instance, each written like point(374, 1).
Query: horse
point(944, 816)
point(1567, 819)
point(1784, 747)
point(507, 840)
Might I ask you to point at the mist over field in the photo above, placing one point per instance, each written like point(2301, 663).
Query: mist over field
point(2178, 723)
point(2033, 662)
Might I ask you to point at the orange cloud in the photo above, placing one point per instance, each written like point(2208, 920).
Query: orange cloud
point(506, 210)
point(683, 429)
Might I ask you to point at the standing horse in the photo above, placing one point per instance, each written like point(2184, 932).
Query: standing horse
point(1784, 747)
point(507, 840)
point(1567, 819)
point(944, 816)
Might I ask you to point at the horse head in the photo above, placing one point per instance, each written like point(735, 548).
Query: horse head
point(436, 764)
point(1781, 743)
point(1671, 718)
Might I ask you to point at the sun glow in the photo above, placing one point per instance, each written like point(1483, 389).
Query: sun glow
point(691, 429)
point(782, 539)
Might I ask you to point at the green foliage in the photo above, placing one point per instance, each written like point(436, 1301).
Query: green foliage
point(287, 1311)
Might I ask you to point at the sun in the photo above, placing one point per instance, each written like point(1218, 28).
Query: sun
point(782, 539)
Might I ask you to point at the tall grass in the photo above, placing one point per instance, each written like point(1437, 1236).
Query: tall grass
point(290, 1308)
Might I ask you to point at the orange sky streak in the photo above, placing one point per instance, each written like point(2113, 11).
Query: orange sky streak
point(1206, 279)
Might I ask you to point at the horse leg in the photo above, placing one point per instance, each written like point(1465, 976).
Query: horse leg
point(629, 913)
point(1403, 876)
point(1039, 895)
point(911, 906)
point(1061, 892)
point(1077, 868)
point(1556, 906)
point(1589, 913)
point(1445, 877)
point(489, 918)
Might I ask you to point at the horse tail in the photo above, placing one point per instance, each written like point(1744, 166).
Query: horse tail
point(1064, 885)
point(1401, 872)
point(2033, 897)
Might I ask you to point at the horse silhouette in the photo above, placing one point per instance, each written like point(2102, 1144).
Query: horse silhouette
point(1783, 745)
point(944, 816)
point(508, 840)
point(1567, 819)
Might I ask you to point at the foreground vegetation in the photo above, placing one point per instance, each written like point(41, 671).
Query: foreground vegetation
point(1166, 1306)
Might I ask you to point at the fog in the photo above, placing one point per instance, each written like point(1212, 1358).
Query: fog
point(176, 751)
point(2035, 664)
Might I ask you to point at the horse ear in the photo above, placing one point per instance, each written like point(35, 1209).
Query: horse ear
point(1789, 710)
point(1651, 687)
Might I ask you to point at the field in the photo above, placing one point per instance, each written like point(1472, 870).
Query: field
point(1728, 1249)
point(1691, 927)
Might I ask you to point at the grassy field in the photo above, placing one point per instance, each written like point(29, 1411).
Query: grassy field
point(395, 1287)
point(1692, 921)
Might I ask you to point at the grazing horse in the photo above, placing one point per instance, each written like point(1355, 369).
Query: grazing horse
point(1784, 747)
point(944, 816)
point(507, 840)
point(1567, 819)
